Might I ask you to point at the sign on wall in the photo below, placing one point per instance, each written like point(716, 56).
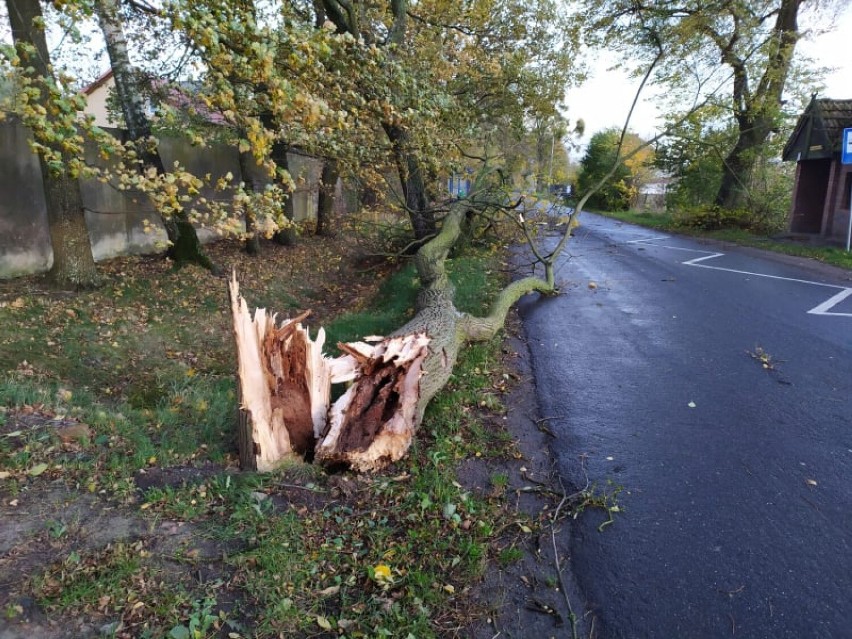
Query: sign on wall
point(846, 158)
point(846, 147)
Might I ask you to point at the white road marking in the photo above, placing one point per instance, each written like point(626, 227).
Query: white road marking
point(648, 239)
point(821, 309)
point(827, 305)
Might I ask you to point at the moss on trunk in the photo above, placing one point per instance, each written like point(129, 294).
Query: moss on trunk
point(185, 246)
point(437, 316)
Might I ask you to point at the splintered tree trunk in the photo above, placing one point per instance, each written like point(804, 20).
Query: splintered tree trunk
point(283, 384)
point(373, 423)
point(393, 379)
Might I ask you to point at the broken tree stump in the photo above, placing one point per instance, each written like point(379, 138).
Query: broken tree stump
point(372, 424)
point(283, 383)
point(284, 389)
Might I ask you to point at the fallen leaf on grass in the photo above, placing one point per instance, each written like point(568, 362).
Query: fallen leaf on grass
point(382, 574)
point(75, 433)
point(323, 623)
point(37, 470)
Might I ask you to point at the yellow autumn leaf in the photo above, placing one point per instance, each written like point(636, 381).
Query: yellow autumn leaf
point(382, 573)
point(323, 623)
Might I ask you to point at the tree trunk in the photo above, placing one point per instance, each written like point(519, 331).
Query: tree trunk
point(757, 110)
point(287, 235)
point(413, 186)
point(368, 196)
point(184, 245)
point(73, 263)
point(252, 243)
point(372, 424)
point(325, 205)
point(737, 169)
point(247, 168)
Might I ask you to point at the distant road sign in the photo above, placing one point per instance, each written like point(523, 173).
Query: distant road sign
point(846, 158)
point(846, 148)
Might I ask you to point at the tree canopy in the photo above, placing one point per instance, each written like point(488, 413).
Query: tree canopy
point(621, 188)
point(735, 55)
point(417, 89)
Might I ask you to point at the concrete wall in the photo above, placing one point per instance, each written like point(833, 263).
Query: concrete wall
point(115, 218)
point(24, 239)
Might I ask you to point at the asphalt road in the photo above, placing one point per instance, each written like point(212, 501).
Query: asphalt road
point(736, 479)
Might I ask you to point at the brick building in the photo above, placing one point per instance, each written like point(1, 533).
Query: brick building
point(822, 189)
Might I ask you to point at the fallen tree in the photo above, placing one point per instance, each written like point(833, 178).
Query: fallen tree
point(285, 379)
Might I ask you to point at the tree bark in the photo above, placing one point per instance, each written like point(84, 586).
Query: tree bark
point(738, 167)
point(287, 235)
point(184, 245)
point(252, 241)
point(73, 263)
point(413, 185)
point(757, 110)
point(325, 205)
point(278, 154)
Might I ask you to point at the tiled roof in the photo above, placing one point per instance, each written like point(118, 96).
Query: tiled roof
point(819, 130)
point(94, 86)
point(834, 116)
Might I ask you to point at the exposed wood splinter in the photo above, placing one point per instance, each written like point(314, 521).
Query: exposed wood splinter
point(373, 423)
point(285, 382)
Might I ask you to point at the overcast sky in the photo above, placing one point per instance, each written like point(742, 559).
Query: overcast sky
point(604, 99)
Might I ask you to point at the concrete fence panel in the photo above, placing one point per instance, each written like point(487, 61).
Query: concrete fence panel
point(115, 218)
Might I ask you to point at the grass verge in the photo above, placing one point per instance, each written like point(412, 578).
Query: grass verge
point(117, 466)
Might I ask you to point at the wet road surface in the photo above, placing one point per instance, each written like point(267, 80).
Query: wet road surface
point(736, 478)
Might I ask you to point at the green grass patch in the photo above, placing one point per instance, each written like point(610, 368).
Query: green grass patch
point(392, 306)
point(662, 221)
point(148, 381)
